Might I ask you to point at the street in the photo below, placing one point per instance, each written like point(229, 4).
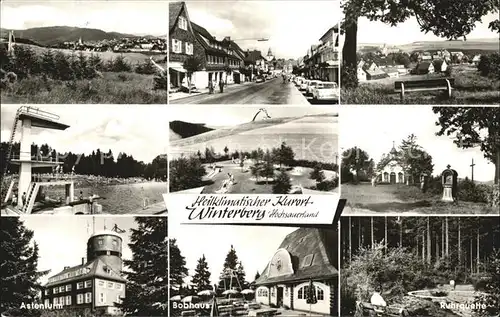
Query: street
point(273, 91)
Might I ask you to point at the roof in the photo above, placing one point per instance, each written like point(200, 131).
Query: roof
point(333, 28)
point(253, 56)
point(202, 31)
point(375, 72)
point(391, 70)
point(106, 232)
point(94, 268)
point(320, 243)
point(423, 65)
point(438, 63)
point(174, 9)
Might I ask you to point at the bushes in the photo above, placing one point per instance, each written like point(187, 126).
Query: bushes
point(493, 197)
point(470, 191)
point(489, 65)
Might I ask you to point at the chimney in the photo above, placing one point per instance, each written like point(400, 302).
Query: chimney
point(83, 261)
point(227, 38)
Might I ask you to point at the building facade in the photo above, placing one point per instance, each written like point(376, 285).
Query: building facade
point(329, 55)
point(96, 285)
point(307, 254)
point(391, 170)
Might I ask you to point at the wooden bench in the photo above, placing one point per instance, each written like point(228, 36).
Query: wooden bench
point(367, 309)
point(188, 313)
point(424, 85)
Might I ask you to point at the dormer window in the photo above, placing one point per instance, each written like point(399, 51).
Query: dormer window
point(308, 259)
point(182, 23)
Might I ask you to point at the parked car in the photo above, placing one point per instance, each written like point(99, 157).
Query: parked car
point(304, 84)
point(298, 80)
point(311, 85)
point(259, 79)
point(326, 91)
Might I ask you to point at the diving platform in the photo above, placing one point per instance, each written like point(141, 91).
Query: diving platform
point(41, 119)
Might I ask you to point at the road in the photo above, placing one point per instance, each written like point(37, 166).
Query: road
point(273, 91)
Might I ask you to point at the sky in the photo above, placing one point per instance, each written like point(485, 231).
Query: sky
point(255, 246)
point(384, 124)
point(221, 116)
point(291, 26)
point(121, 128)
point(130, 17)
point(63, 242)
point(409, 32)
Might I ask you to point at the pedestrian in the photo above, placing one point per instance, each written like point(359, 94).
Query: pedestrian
point(221, 85)
point(23, 198)
point(80, 197)
point(14, 200)
point(210, 87)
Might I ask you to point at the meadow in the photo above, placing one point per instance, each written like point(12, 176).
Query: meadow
point(470, 88)
point(59, 76)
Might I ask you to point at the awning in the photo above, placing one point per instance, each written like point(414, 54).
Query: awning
point(177, 68)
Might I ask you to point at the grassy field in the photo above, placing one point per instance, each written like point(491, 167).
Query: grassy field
point(312, 138)
point(470, 88)
point(113, 88)
point(364, 198)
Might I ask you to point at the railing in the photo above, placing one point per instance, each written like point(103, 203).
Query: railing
point(34, 158)
point(37, 112)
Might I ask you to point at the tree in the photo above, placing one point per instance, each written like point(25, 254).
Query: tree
point(191, 65)
point(468, 124)
point(185, 173)
point(201, 277)
point(317, 174)
point(147, 277)
point(414, 159)
point(358, 160)
point(491, 297)
point(443, 18)
point(177, 269)
point(226, 150)
point(283, 155)
point(19, 274)
point(283, 184)
point(230, 270)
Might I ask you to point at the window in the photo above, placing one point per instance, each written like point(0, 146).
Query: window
point(118, 299)
point(46, 303)
point(115, 242)
point(56, 290)
point(100, 283)
point(88, 297)
point(68, 287)
point(56, 300)
point(111, 285)
point(308, 260)
point(79, 285)
point(189, 49)
point(118, 286)
point(176, 46)
point(100, 241)
point(47, 292)
point(79, 299)
point(182, 23)
point(320, 294)
point(102, 297)
point(273, 292)
point(68, 300)
point(300, 293)
point(88, 284)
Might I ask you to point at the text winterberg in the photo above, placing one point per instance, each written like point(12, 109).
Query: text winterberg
point(212, 212)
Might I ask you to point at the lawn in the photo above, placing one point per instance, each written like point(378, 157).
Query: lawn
point(470, 88)
point(366, 199)
point(112, 88)
point(244, 182)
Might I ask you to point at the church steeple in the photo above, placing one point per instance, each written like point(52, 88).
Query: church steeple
point(269, 52)
point(393, 152)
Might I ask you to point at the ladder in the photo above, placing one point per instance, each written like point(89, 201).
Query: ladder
point(11, 142)
point(31, 197)
point(9, 191)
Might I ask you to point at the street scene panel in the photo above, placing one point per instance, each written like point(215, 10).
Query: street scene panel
point(61, 159)
point(420, 266)
point(254, 271)
point(427, 52)
point(424, 160)
point(71, 52)
point(252, 150)
point(286, 54)
point(84, 266)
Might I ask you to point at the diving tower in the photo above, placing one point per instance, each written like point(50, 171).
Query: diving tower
point(28, 118)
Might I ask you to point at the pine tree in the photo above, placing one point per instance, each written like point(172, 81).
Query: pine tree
point(178, 270)
point(147, 283)
point(201, 277)
point(18, 274)
point(230, 274)
point(283, 184)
